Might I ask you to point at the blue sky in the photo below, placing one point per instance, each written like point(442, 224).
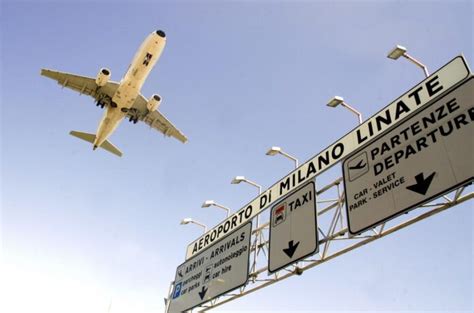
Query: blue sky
point(83, 229)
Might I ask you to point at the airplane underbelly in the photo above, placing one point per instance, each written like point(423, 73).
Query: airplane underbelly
point(108, 124)
point(125, 95)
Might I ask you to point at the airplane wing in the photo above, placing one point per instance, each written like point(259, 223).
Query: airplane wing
point(86, 85)
point(82, 84)
point(157, 120)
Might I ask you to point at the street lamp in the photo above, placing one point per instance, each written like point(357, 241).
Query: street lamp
point(239, 179)
point(277, 150)
point(209, 203)
point(335, 101)
point(400, 51)
point(188, 220)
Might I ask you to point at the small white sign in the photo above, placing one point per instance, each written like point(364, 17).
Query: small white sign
point(293, 228)
point(422, 158)
point(215, 271)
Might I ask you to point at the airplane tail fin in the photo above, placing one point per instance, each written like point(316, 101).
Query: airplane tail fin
point(107, 145)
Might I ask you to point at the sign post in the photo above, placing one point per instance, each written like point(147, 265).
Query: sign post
point(293, 228)
point(425, 156)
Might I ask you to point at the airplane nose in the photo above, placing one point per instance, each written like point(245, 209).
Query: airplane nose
point(161, 33)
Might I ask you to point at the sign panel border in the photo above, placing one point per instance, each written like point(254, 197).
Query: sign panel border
point(209, 247)
point(316, 249)
point(428, 199)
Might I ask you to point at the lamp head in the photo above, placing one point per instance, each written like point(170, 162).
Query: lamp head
point(274, 151)
point(207, 203)
point(238, 179)
point(334, 102)
point(396, 52)
point(186, 220)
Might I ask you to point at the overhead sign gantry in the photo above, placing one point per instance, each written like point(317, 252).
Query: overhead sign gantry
point(417, 148)
point(431, 88)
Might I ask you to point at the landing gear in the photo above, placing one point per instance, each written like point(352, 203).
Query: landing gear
point(133, 119)
point(103, 100)
point(133, 115)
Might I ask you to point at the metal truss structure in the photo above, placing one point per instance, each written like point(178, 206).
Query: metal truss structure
point(335, 239)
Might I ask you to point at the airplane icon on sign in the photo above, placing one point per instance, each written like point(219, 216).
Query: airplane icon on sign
point(358, 166)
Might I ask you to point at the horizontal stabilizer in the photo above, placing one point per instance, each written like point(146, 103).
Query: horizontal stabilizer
point(84, 136)
point(106, 145)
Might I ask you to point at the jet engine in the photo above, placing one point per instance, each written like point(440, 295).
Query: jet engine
point(153, 103)
point(102, 77)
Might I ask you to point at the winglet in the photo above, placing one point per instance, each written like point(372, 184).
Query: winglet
point(106, 145)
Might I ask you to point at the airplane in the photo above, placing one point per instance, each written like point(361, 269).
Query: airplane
point(122, 99)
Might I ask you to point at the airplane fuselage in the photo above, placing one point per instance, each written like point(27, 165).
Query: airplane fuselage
point(130, 85)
